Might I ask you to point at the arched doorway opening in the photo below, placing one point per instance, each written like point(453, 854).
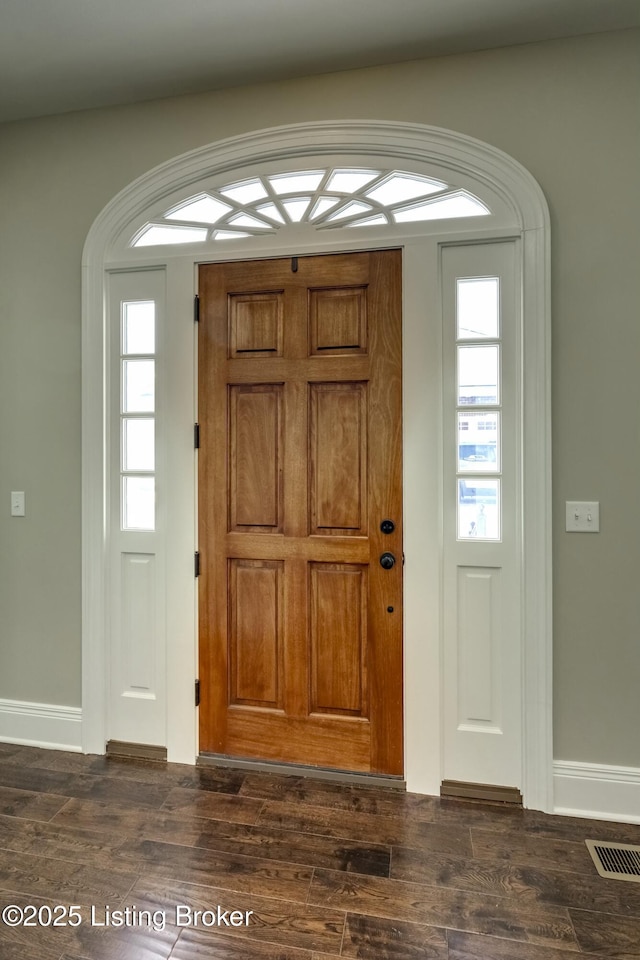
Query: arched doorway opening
point(445, 720)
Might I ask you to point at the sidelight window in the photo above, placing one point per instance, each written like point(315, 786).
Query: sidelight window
point(478, 405)
point(137, 409)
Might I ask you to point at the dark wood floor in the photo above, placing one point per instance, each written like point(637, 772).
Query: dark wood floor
point(328, 870)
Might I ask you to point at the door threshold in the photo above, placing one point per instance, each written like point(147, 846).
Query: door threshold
point(301, 770)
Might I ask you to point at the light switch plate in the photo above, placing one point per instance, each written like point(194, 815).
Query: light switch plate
point(17, 503)
point(583, 516)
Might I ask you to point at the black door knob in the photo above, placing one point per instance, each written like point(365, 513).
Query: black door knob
point(387, 526)
point(387, 560)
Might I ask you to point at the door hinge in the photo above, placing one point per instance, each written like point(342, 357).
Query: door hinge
point(196, 308)
point(197, 564)
point(196, 436)
point(294, 264)
point(197, 693)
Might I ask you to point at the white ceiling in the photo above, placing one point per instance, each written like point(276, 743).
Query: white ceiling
point(61, 55)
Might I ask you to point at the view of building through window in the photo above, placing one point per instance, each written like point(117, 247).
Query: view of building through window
point(478, 407)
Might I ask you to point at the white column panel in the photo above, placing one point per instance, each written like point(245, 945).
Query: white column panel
point(422, 413)
point(181, 519)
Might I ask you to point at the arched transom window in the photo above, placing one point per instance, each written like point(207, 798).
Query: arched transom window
point(327, 198)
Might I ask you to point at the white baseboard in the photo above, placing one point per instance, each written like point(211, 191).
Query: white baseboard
point(596, 791)
point(41, 725)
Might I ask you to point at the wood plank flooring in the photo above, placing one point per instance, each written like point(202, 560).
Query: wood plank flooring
point(317, 870)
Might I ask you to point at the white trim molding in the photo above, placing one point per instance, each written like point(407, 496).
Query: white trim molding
point(41, 725)
point(522, 214)
point(596, 791)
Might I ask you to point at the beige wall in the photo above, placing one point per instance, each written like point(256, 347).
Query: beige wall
point(567, 110)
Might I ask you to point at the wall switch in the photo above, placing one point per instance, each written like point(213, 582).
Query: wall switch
point(583, 516)
point(17, 503)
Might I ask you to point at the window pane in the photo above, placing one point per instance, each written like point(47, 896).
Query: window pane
point(323, 204)
point(154, 235)
point(270, 210)
point(138, 503)
point(478, 509)
point(139, 386)
point(477, 308)
point(229, 235)
point(139, 328)
point(245, 220)
point(348, 181)
point(296, 209)
point(202, 210)
point(478, 442)
point(292, 182)
point(350, 210)
point(456, 205)
point(138, 442)
point(403, 186)
point(478, 375)
point(245, 192)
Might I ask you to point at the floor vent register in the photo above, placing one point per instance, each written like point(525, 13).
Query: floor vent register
point(617, 861)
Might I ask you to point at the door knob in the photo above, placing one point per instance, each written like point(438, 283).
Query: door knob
point(387, 526)
point(387, 560)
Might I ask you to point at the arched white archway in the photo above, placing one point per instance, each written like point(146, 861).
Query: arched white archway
point(522, 213)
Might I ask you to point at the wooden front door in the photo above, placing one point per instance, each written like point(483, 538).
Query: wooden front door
point(300, 462)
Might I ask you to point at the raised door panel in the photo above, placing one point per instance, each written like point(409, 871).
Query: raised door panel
point(137, 667)
point(256, 632)
point(338, 458)
point(255, 457)
point(338, 639)
point(338, 321)
point(255, 324)
point(479, 646)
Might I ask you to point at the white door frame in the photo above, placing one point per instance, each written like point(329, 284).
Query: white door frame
point(529, 220)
